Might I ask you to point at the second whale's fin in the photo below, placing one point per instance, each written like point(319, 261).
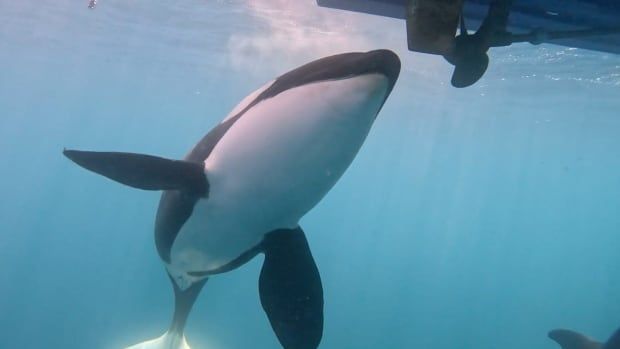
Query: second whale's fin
point(290, 289)
point(144, 171)
point(614, 341)
point(568, 339)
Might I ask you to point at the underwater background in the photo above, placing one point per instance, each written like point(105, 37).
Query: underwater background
point(471, 218)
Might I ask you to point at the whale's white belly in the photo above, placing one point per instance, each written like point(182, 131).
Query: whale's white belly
point(274, 164)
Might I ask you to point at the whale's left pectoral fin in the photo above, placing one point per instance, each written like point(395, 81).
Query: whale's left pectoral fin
point(144, 171)
point(290, 289)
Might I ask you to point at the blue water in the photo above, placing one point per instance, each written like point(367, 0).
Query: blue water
point(474, 218)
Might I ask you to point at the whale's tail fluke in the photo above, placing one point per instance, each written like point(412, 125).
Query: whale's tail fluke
point(170, 340)
point(174, 337)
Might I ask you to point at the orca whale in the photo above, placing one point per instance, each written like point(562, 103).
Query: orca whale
point(246, 184)
point(568, 339)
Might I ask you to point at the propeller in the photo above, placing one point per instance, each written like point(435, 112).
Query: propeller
point(432, 24)
point(469, 56)
point(431, 28)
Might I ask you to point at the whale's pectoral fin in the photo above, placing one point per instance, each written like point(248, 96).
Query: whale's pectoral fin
point(144, 171)
point(290, 289)
point(568, 339)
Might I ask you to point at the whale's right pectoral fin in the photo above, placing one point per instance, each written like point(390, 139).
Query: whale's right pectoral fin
point(290, 289)
point(167, 341)
point(144, 171)
point(568, 339)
